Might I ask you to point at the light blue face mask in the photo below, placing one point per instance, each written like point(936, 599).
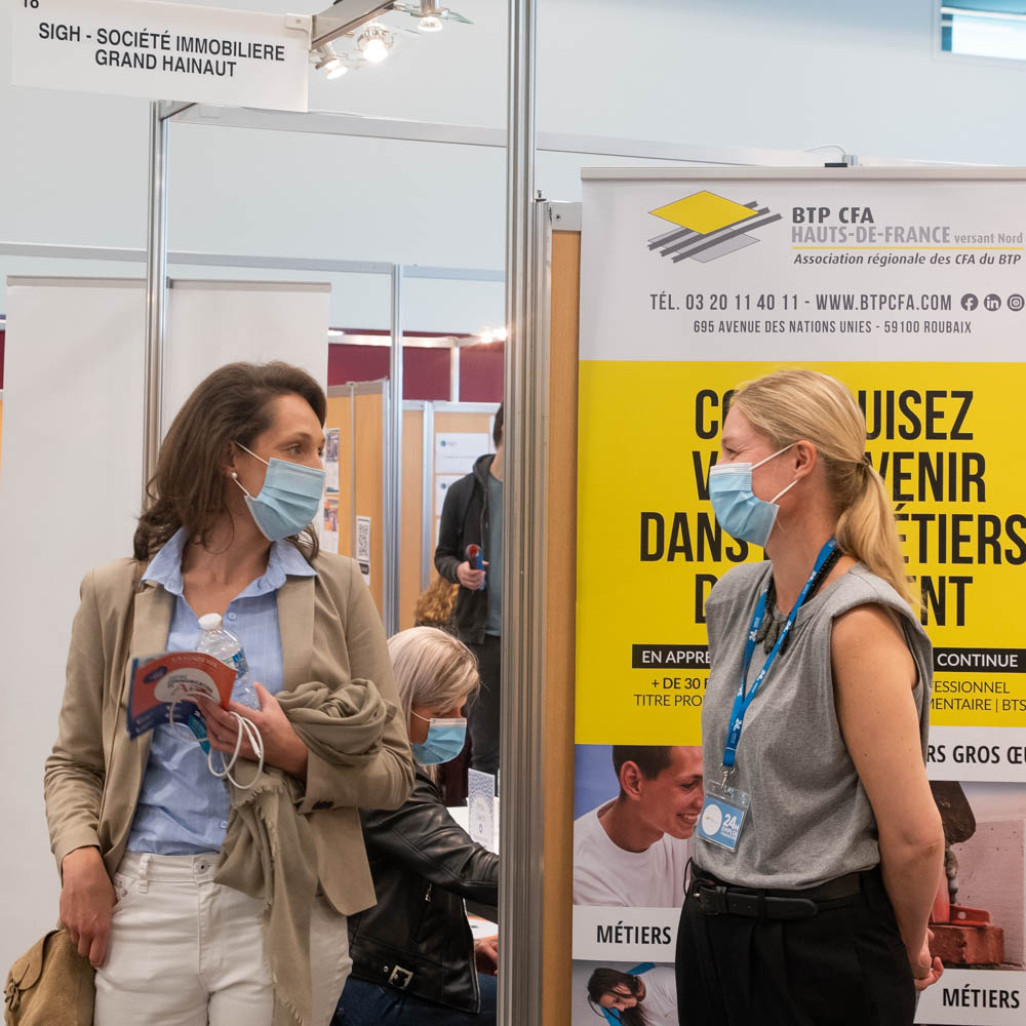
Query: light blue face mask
point(738, 511)
point(289, 499)
point(445, 740)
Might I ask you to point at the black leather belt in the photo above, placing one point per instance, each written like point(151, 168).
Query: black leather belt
point(717, 898)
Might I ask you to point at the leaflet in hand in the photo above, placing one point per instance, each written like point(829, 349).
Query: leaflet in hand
point(170, 682)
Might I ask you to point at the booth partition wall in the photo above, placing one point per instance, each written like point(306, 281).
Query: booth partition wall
point(440, 442)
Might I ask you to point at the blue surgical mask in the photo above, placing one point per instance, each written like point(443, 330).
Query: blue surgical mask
point(289, 499)
point(445, 740)
point(738, 511)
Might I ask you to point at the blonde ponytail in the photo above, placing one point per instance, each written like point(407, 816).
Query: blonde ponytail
point(866, 530)
point(791, 405)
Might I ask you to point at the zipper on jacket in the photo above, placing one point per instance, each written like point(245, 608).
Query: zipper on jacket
point(427, 893)
point(473, 969)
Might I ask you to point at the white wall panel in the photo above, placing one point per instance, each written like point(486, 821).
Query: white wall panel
point(211, 323)
point(70, 487)
point(69, 494)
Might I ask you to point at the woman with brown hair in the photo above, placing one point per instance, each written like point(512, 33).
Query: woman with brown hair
point(820, 847)
point(642, 997)
point(198, 902)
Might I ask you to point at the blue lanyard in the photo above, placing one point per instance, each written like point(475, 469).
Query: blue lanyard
point(742, 700)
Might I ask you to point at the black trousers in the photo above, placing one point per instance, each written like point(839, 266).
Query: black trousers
point(483, 713)
point(845, 966)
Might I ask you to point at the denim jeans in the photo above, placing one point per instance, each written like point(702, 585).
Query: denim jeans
point(370, 1004)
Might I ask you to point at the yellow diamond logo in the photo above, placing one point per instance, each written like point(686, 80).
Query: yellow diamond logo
point(704, 212)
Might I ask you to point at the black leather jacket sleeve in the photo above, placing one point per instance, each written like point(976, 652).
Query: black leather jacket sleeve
point(424, 839)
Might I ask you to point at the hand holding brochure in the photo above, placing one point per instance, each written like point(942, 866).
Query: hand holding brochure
point(170, 682)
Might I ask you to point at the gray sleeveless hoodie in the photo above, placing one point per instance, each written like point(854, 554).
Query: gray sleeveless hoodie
point(810, 820)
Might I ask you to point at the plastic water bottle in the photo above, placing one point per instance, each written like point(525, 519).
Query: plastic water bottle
point(222, 644)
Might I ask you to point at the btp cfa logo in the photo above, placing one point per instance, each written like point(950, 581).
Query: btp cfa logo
point(707, 227)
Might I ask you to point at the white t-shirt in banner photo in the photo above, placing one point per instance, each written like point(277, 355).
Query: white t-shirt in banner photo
point(660, 1000)
point(606, 874)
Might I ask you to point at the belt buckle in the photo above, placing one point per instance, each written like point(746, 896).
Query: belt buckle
point(401, 978)
point(712, 899)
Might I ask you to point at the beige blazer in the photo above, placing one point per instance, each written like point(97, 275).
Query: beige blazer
point(330, 631)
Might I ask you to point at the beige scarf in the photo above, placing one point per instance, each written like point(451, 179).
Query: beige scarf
point(268, 850)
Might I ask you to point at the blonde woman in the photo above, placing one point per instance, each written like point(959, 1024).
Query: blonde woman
point(820, 846)
point(413, 953)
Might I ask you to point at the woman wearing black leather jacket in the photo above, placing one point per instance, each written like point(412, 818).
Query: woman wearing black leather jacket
point(414, 958)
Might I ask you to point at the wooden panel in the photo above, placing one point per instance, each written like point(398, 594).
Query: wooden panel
point(369, 440)
point(561, 602)
point(340, 416)
point(456, 420)
point(412, 534)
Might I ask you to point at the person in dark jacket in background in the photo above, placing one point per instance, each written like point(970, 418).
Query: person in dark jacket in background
point(472, 515)
point(415, 961)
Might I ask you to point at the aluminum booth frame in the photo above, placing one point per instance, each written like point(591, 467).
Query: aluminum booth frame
point(520, 883)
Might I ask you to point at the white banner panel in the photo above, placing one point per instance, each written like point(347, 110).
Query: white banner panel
point(966, 998)
point(909, 287)
point(614, 934)
point(70, 482)
point(799, 266)
point(163, 51)
point(210, 323)
point(70, 487)
point(978, 753)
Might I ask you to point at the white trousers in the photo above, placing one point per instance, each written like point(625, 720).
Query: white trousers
point(185, 951)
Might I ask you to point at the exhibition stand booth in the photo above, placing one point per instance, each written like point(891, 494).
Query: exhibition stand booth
point(631, 317)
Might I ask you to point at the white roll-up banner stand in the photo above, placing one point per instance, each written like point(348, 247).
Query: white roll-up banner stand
point(69, 494)
point(910, 287)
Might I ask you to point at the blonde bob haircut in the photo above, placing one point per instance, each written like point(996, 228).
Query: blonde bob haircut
point(789, 406)
point(432, 669)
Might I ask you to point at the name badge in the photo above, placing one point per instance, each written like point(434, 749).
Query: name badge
point(723, 815)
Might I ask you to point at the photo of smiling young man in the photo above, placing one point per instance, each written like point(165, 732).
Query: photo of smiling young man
point(633, 849)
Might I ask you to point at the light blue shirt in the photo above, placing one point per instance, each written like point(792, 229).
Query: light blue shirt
point(183, 808)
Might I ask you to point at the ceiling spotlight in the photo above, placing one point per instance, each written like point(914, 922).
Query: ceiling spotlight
point(489, 335)
point(329, 61)
point(430, 17)
point(374, 43)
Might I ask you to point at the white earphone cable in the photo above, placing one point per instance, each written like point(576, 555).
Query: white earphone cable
point(249, 728)
point(246, 727)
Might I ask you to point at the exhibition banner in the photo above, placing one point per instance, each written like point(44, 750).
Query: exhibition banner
point(909, 287)
point(163, 51)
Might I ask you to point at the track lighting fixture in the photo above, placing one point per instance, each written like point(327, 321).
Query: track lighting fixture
point(328, 61)
point(375, 42)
